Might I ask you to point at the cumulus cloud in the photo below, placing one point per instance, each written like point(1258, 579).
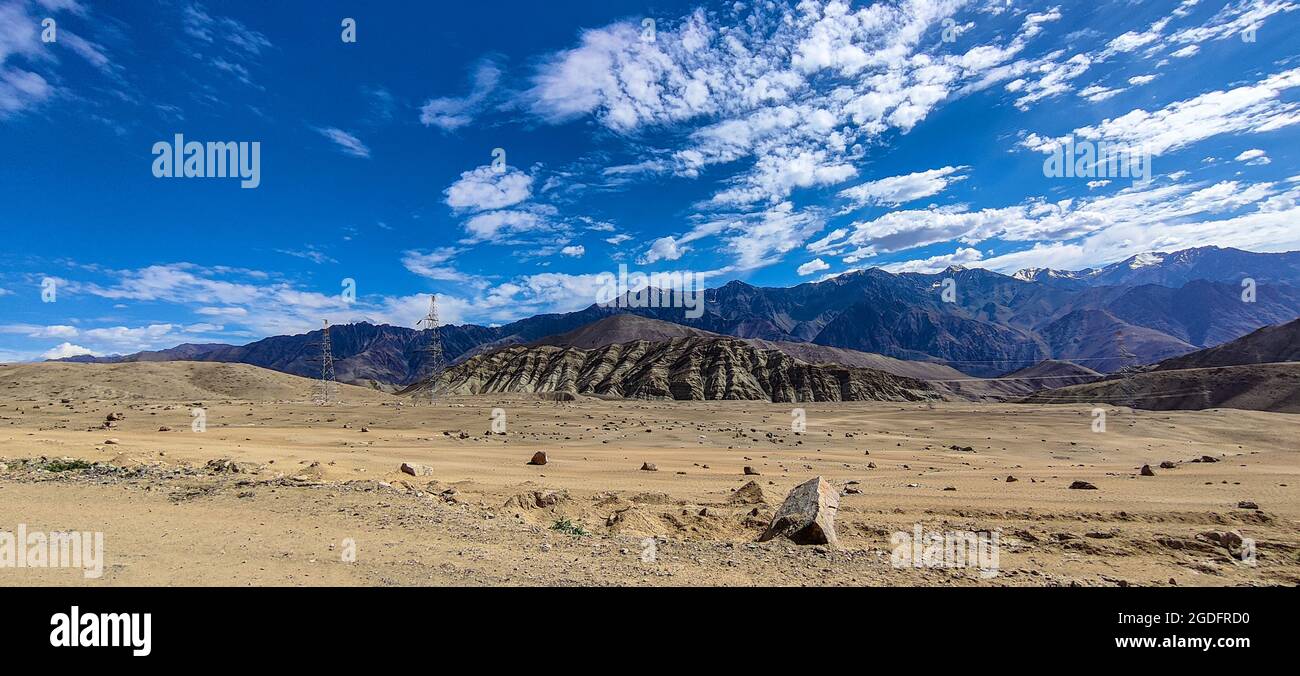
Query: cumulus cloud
point(575, 251)
point(813, 266)
point(663, 249)
point(492, 225)
point(485, 188)
point(65, 350)
point(1253, 156)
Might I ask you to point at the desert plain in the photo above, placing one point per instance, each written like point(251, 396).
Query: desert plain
point(277, 490)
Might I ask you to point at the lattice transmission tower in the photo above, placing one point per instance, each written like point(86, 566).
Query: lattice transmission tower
point(327, 388)
point(432, 350)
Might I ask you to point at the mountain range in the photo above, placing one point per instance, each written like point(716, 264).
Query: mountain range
point(1143, 310)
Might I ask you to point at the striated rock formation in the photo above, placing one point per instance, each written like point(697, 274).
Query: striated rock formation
point(691, 368)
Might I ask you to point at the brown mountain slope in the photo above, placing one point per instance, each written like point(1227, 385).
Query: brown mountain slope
point(164, 381)
point(1047, 374)
point(1270, 344)
point(623, 328)
point(691, 368)
point(1257, 387)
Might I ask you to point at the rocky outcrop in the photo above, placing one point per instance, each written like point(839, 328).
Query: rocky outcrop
point(692, 368)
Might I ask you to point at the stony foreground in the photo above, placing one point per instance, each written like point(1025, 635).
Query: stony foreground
point(277, 493)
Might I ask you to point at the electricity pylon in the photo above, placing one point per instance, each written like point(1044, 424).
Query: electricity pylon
point(432, 350)
point(327, 387)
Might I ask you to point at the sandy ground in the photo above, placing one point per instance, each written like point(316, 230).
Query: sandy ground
point(313, 480)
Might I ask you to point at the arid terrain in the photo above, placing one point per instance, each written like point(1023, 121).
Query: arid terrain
point(273, 488)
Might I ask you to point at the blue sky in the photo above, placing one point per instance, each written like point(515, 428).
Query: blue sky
point(777, 143)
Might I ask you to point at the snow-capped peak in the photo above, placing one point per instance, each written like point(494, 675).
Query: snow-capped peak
point(1146, 260)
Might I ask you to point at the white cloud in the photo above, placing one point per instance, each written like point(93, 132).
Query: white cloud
point(896, 190)
point(1253, 156)
point(1252, 108)
point(65, 350)
point(19, 35)
point(346, 142)
point(1098, 93)
point(960, 257)
point(575, 251)
point(493, 225)
point(812, 266)
point(433, 264)
point(663, 249)
point(450, 113)
point(485, 188)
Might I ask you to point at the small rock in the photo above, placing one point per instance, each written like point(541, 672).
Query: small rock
point(649, 467)
point(113, 417)
point(416, 470)
point(111, 441)
point(1083, 486)
point(1011, 478)
point(539, 458)
point(1247, 504)
point(1167, 464)
point(750, 471)
point(164, 428)
point(1146, 471)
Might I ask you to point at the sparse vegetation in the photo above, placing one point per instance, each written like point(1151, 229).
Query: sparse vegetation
point(67, 465)
point(567, 526)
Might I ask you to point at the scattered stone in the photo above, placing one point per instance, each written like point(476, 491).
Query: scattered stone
point(536, 499)
point(1083, 486)
point(1167, 464)
point(416, 470)
point(1247, 504)
point(114, 417)
point(539, 458)
point(1011, 478)
point(750, 471)
point(164, 428)
point(807, 517)
point(950, 488)
point(111, 441)
point(749, 494)
point(1146, 471)
point(649, 467)
point(1209, 458)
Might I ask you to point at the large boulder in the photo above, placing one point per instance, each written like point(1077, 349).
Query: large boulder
point(807, 517)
